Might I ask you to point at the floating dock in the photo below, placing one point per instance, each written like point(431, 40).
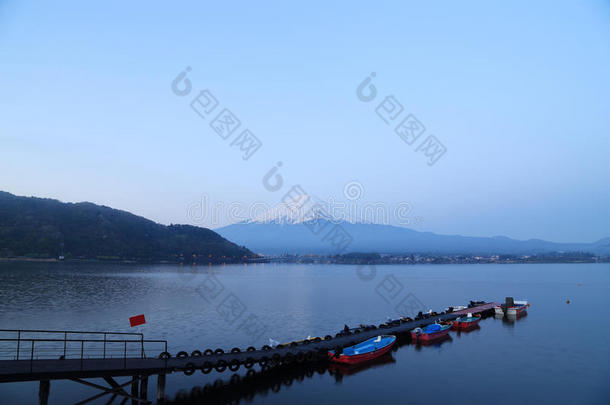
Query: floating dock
point(26, 367)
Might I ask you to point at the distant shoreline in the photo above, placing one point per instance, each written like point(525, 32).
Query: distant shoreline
point(431, 258)
point(306, 260)
point(117, 261)
point(27, 259)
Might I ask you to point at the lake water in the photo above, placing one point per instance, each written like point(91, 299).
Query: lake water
point(559, 353)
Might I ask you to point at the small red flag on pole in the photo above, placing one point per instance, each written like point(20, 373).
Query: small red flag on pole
point(137, 320)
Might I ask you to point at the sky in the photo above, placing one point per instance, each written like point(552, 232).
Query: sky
point(517, 94)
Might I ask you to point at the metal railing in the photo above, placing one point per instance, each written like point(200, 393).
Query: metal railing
point(30, 345)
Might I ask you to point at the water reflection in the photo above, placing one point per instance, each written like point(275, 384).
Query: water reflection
point(271, 379)
point(510, 320)
point(513, 318)
point(253, 383)
point(434, 343)
point(340, 370)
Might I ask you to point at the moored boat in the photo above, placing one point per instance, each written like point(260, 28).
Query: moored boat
point(467, 322)
point(518, 309)
point(431, 332)
point(455, 308)
point(363, 351)
point(512, 308)
point(498, 310)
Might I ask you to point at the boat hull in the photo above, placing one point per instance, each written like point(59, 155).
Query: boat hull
point(360, 358)
point(499, 311)
point(516, 311)
point(466, 325)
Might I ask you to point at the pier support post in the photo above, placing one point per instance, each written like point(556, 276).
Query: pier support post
point(144, 387)
point(161, 388)
point(43, 392)
point(134, 389)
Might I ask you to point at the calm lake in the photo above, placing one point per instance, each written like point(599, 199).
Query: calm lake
point(559, 353)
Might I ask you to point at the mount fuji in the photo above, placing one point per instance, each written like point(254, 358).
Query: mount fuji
point(287, 230)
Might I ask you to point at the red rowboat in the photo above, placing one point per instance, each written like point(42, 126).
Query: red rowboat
point(364, 351)
point(430, 332)
point(467, 322)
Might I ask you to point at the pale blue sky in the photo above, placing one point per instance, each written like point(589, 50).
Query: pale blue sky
point(518, 92)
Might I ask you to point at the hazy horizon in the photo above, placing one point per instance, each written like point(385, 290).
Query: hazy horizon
point(267, 219)
point(522, 110)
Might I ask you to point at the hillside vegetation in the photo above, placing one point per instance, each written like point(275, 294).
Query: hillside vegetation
point(41, 228)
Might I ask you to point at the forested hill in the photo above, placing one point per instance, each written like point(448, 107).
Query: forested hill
point(41, 227)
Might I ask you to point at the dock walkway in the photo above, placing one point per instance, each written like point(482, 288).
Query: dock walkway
point(141, 367)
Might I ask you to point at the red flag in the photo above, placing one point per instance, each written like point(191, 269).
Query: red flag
point(137, 320)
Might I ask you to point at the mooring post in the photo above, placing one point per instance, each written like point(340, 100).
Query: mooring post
point(510, 302)
point(161, 387)
point(43, 392)
point(32, 357)
point(134, 389)
point(144, 387)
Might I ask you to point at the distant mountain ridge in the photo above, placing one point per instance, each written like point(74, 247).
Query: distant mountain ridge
point(42, 227)
point(284, 237)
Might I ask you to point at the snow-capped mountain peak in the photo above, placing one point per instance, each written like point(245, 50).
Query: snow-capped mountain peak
point(293, 212)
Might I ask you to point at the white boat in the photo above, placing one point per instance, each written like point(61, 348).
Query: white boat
point(520, 308)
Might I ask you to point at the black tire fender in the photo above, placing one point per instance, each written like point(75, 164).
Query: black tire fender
point(234, 365)
point(221, 366)
point(207, 367)
point(189, 369)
